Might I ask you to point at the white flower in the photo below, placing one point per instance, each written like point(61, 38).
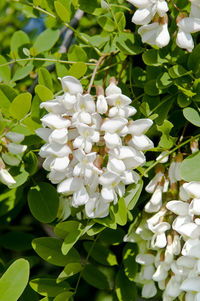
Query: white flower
point(147, 10)
point(178, 207)
point(88, 135)
point(102, 105)
point(84, 107)
point(72, 85)
point(6, 178)
point(96, 207)
point(187, 26)
point(193, 189)
point(155, 34)
point(111, 186)
point(159, 238)
point(149, 290)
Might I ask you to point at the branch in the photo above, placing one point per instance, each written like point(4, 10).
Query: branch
point(102, 58)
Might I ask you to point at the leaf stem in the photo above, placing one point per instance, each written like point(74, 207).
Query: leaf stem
point(42, 59)
point(85, 263)
point(169, 153)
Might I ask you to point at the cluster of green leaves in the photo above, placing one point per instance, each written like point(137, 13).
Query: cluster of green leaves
point(83, 257)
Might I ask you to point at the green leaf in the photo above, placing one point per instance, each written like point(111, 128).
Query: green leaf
point(22, 72)
point(190, 168)
point(178, 71)
point(92, 275)
point(192, 116)
point(64, 296)
point(77, 54)
point(152, 58)
point(31, 162)
point(49, 249)
point(130, 265)
point(14, 280)
point(125, 42)
point(5, 72)
point(71, 239)
point(194, 60)
point(18, 39)
point(151, 88)
point(48, 286)
point(44, 93)
point(121, 20)
point(70, 270)
point(125, 289)
point(7, 94)
point(62, 12)
point(106, 23)
point(166, 140)
point(183, 101)
point(46, 40)
point(43, 202)
point(164, 81)
point(78, 70)
point(20, 175)
point(120, 212)
point(101, 254)
point(132, 194)
point(64, 228)
point(44, 78)
point(20, 106)
point(92, 8)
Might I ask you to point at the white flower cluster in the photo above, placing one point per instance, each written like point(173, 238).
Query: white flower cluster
point(169, 240)
point(91, 146)
point(11, 153)
point(156, 33)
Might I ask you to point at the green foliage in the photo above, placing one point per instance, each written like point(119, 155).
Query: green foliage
point(20, 106)
point(190, 168)
point(50, 250)
point(43, 202)
point(14, 280)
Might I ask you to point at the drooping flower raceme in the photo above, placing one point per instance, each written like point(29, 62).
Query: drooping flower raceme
point(169, 238)
point(92, 147)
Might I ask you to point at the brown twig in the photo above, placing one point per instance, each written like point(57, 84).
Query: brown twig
point(102, 58)
point(180, 10)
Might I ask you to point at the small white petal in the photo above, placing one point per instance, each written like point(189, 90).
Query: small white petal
point(6, 178)
point(72, 85)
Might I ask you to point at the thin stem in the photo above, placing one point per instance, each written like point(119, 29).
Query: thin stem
point(180, 10)
point(160, 104)
point(121, 6)
point(169, 153)
point(102, 58)
point(113, 15)
point(183, 133)
point(85, 263)
point(42, 59)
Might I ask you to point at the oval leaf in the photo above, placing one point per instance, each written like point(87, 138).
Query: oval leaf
point(20, 106)
point(43, 202)
point(14, 280)
point(192, 116)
